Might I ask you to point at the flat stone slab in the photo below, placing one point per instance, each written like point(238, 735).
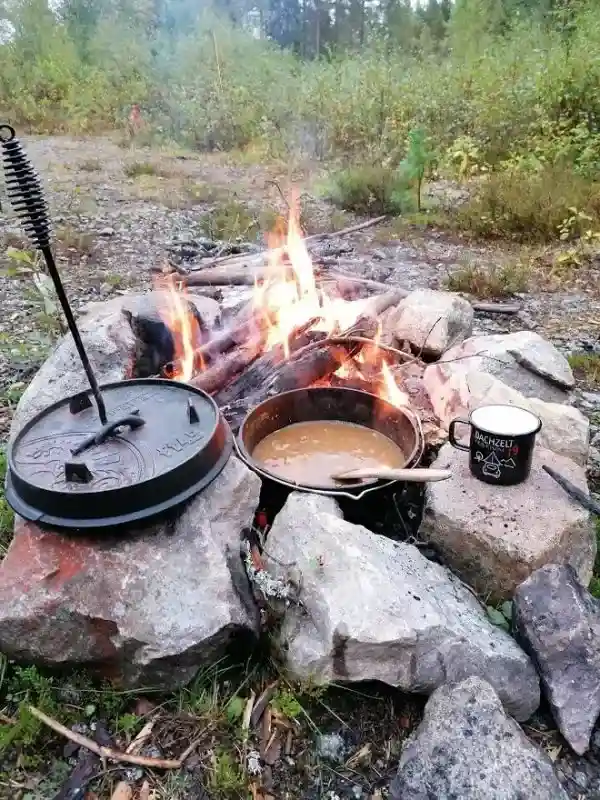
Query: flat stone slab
point(494, 537)
point(524, 360)
point(145, 607)
point(374, 609)
point(558, 622)
point(467, 748)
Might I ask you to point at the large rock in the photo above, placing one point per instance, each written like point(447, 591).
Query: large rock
point(558, 621)
point(524, 360)
point(374, 609)
point(494, 537)
point(149, 607)
point(467, 748)
point(110, 344)
point(565, 430)
point(433, 321)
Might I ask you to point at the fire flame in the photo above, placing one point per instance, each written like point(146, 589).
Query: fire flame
point(173, 307)
point(288, 299)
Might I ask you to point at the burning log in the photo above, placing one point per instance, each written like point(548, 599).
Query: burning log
point(226, 369)
point(264, 378)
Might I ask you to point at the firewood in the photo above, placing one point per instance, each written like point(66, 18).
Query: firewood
point(496, 308)
point(263, 379)
point(224, 370)
point(315, 237)
point(245, 275)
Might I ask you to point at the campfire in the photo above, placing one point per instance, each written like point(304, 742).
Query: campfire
point(297, 331)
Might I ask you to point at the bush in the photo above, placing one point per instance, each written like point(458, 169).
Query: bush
point(370, 190)
point(532, 206)
point(493, 282)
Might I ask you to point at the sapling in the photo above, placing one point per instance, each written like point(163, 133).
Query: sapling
point(419, 157)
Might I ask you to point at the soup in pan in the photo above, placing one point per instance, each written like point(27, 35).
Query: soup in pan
point(309, 453)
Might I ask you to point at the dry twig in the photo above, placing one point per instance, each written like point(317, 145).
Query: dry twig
point(101, 751)
point(142, 737)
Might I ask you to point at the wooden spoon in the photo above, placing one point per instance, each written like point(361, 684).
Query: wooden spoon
point(391, 474)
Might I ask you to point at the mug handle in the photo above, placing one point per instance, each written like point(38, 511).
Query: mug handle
point(452, 434)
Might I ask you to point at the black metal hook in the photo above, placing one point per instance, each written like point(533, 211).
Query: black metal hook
point(11, 133)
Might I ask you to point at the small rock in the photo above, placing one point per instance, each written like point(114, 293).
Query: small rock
point(558, 621)
point(467, 748)
point(432, 320)
point(107, 232)
point(378, 610)
point(524, 361)
point(331, 747)
point(494, 537)
point(565, 430)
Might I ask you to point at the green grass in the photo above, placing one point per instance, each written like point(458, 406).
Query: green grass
point(139, 169)
point(495, 281)
point(6, 513)
point(586, 367)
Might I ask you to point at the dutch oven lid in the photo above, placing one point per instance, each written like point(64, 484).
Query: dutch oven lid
point(164, 442)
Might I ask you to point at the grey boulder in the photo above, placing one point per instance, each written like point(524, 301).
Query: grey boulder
point(525, 361)
point(150, 608)
point(432, 321)
point(558, 622)
point(110, 344)
point(494, 537)
point(467, 748)
point(373, 609)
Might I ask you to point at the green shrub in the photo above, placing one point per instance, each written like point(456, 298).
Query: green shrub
point(370, 190)
point(230, 221)
point(491, 282)
point(527, 205)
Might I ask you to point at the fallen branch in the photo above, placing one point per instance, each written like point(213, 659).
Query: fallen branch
point(141, 739)
point(101, 751)
point(496, 308)
point(351, 281)
point(315, 237)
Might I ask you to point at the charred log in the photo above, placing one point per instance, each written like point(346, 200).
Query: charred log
point(267, 377)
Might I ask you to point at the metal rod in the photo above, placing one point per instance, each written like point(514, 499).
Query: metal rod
point(64, 302)
point(573, 491)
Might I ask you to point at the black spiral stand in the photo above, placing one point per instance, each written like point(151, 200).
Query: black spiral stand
point(25, 194)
